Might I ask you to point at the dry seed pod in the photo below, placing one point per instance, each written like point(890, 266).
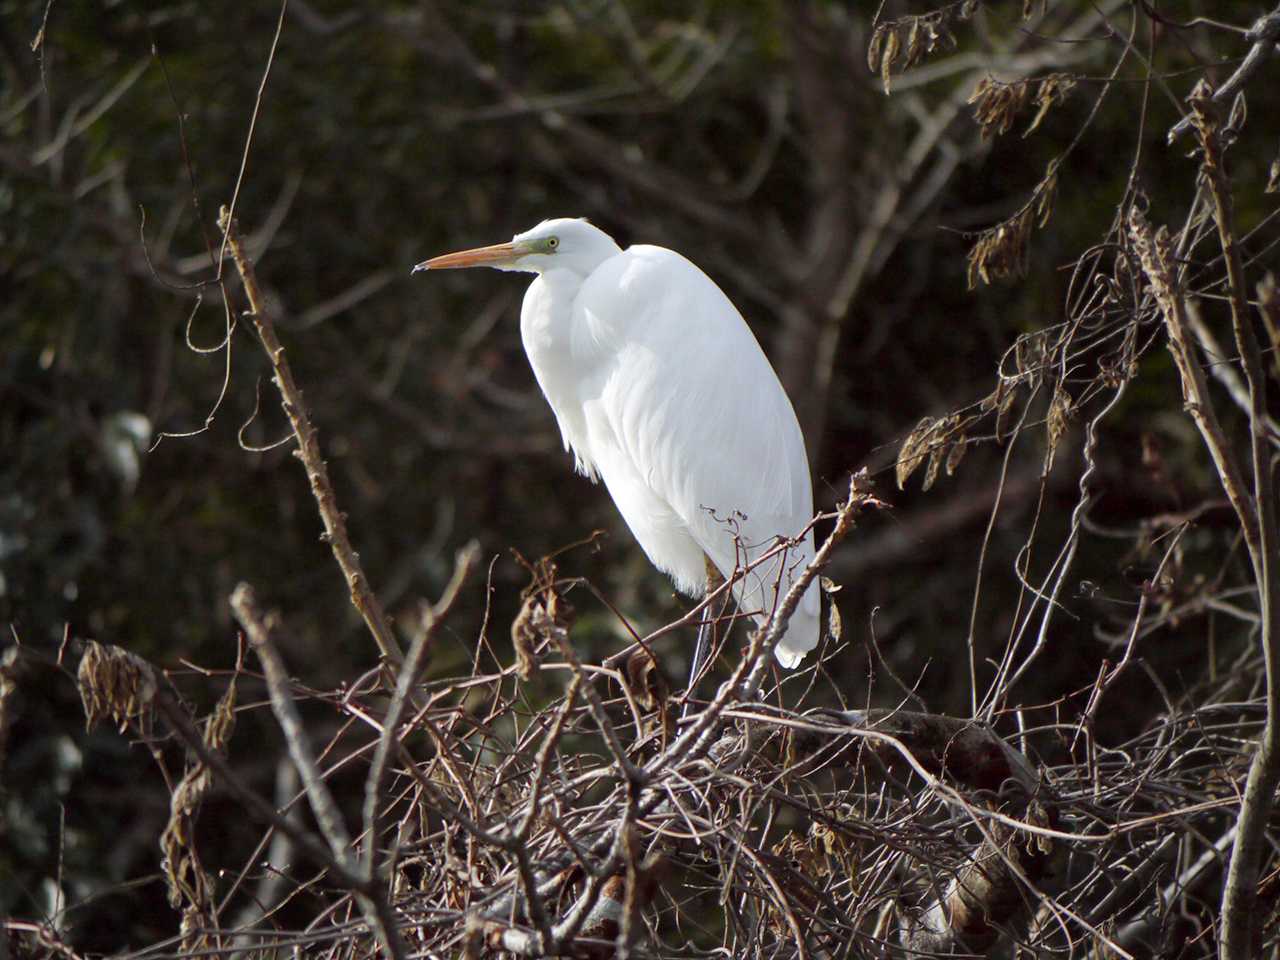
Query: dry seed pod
point(1046, 193)
point(1051, 90)
point(1003, 417)
point(114, 683)
point(906, 41)
point(931, 471)
point(914, 450)
point(892, 43)
point(915, 49)
point(1001, 251)
point(996, 104)
point(956, 453)
point(875, 46)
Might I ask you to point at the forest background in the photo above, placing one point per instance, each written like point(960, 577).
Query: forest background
point(932, 219)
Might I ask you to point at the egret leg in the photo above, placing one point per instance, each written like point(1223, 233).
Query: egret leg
point(702, 646)
point(700, 650)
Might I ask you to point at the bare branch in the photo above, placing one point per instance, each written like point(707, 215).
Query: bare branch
point(1263, 540)
point(335, 526)
point(1264, 34)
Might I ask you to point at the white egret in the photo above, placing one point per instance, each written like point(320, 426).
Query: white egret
point(661, 390)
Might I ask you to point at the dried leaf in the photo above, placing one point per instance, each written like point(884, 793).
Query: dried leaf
point(526, 629)
point(891, 46)
point(560, 610)
point(914, 46)
point(1051, 90)
point(190, 887)
point(992, 400)
point(931, 471)
point(1001, 251)
point(996, 104)
point(1046, 192)
point(823, 838)
point(948, 431)
point(1040, 816)
point(114, 683)
point(956, 454)
point(875, 46)
point(904, 42)
point(544, 615)
point(647, 680)
point(1002, 415)
point(222, 722)
point(187, 881)
point(914, 450)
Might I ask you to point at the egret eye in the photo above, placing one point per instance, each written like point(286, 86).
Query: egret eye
point(553, 242)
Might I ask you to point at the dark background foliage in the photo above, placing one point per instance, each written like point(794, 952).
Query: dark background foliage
point(748, 135)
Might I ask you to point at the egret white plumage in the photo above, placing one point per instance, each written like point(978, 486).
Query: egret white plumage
point(661, 390)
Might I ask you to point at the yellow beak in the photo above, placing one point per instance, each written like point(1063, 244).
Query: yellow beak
point(495, 255)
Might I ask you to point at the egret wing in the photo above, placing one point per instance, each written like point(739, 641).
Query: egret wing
point(692, 431)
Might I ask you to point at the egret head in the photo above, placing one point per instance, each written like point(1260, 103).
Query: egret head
point(564, 243)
